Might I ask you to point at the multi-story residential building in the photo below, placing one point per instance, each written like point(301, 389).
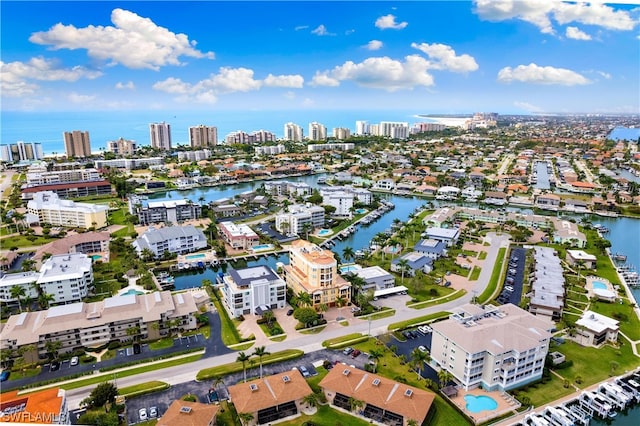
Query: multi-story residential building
point(314, 271)
point(81, 325)
point(361, 195)
point(48, 406)
point(253, 290)
point(130, 163)
point(170, 211)
point(299, 218)
point(198, 155)
point(239, 237)
point(122, 147)
point(496, 348)
point(547, 284)
point(21, 151)
point(330, 147)
point(260, 136)
point(395, 130)
point(594, 329)
point(87, 242)
point(47, 207)
point(160, 136)
point(77, 144)
point(362, 127)
point(35, 178)
point(284, 187)
point(317, 132)
point(341, 133)
point(427, 127)
point(67, 277)
point(71, 189)
point(257, 136)
point(203, 136)
point(375, 278)
point(341, 200)
point(270, 149)
point(172, 239)
point(293, 132)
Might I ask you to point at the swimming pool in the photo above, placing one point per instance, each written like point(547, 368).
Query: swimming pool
point(324, 232)
point(348, 268)
point(262, 247)
point(599, 285)
point(194, 256)
point(131, 291)
point(96, 257)
point(475, 404)
point(361, 211)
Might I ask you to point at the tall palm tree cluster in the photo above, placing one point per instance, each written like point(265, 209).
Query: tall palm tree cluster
point(260, 352)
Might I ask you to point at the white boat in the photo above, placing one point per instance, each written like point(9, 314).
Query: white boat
point(559, 416)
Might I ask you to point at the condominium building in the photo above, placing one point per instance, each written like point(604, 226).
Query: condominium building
point(87, 242)
point(67, 277)
point(48, 406)
point(253, 291)
point(71, 189)
point(375, 278)
point(341, 200)
point(203, 136)
point(314, 270)
point(172, 239)
point(77, 144)
point(284, 187)
point(341, 133)
point(122, 147)
point(169, 211)
point(21, 151)
point(317, 132)
point(362, 127)
point(496, 348)
point(293, 132)
point(361, 195)
point(395, 130)
point(270, 149)
point(594, 329)
point(547, 284)
point(239, 237)
point(300, 218)
point(258, 136)
point(198, 155)
point(160, 136)
point(80, 325)
point(40, 177)
point(314, 147)
point(47, 207)
point(130, 163)
point(427, 127)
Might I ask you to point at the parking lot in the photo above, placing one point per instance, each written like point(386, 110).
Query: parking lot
point(512, 286)
point(405, 347)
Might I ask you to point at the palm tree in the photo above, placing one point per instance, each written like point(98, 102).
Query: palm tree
point(348, 254)
point(260, 351)
point(375, 354)
point(418, 358)
point(134, 332)
point(306, 228)
point(412, 422)
point(18, 292)
point(341, 301)
point(403, 264)
point(52, 347)
point(444, 377)
point(45, 299)
point(243, 358)
point(245, 418)
point(304, 299)
point(311, 400)
point(355, 404)
point(580, 264)
point(268, 316)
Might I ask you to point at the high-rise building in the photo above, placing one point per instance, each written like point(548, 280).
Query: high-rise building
point(293, 132)
point(317, 131)
point(160, 136)
point(341, 133)
point(396, 130)
point(122, 147)
point(362, 127)
point(203, 136)
point(77, 144)
point(21, 151)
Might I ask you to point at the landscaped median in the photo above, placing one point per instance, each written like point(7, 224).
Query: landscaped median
point(418, 321)
point(343, 341)
point(440, 300)
point(143, 388)
point(235, 367)
point(488, 292)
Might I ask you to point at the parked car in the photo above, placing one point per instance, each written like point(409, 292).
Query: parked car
point(55, 366)
point(137, 348)
point(304, 371)
point(153, 412)
point(512, 271)
point(422, 348)
point(509, 288)
point(425, 329)
point(74, 360)
point(4, 376)
point(347, 350)
point(290, 312)
point(355, 353)
point(143, 414)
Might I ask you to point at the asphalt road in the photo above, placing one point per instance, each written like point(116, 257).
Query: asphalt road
point(308, 343)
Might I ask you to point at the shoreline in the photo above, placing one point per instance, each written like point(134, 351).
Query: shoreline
point(624, 284)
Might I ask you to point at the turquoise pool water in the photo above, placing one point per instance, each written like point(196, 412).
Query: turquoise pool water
point(194, 256)
point(96, 257)
point(361, 211)
point(475, 404)
point(599, 285)
point(392, 249)
point(263, 247)
point(348, 268)
point(131, 291)
point(323, 232)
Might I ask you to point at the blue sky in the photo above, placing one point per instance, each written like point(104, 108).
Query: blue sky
point(448, 56)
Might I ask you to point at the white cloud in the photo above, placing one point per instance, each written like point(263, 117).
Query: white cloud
point(15, 77)
point(125, 86)
point(133, 41)
point(301, 27)
point(293, 81)
point(349, 32)
point(321, 30)
point(541, 12)
point(374, 45)
point(605, 75)
point(389, 22)
point(535, 74)
point(528, 107)
point(576, 34)
point(323, 79)
point(381, 73)
point(80, 99)
point(443, 57)
point(227, 80)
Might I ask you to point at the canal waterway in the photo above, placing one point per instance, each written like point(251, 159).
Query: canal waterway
point(542, 175)
point(624, 233)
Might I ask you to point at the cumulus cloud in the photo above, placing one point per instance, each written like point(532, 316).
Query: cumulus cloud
point(374, 45)
point(321, 30)
point(227, 80)
point(541, 12)
point(576, 34)
point(536, 74)
point(77, 98)
point(16, 77)
point(125, 86)
point(132, 41)
point(323, 79)
point(443, 57)
point(389, 22)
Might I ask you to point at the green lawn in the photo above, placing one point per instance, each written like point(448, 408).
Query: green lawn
point(540, 394)
point(327, 416)
point(417, 321)
point(234, 367)
point(487, 294)
point(343, 340)
point(167, 342)
point(21, 241)
point(629, 322)
point(143, 388)
point(420, 305)
point(482, 255)
point(385, 313)
point(21, 374)
point(229, 332)
point(475, 273)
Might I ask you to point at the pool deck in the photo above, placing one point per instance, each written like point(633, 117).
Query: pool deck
point(505, 404)
point(589, 287)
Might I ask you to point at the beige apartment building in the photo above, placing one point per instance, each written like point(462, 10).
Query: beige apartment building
point(77, 144)
point(314, 270)
point(48, 207)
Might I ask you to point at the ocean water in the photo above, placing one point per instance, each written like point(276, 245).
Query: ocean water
point(47, 128)
point(625, 133)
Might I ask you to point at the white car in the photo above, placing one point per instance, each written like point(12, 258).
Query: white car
point(143, 414)
point(425, 329)
point(74, 361)
point(509, 288)
point(153, 412)
point(422, 348)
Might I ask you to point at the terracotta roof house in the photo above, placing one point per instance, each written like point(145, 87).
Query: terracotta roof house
point(47, 406)
point(385, 400)
point(271, 398)
point(186, 413)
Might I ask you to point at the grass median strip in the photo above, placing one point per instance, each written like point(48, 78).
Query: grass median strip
point(143, 388)
point(487, 294)
point(338, 341)
point(417, 321)
point(234, 367)
point(421, 305)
